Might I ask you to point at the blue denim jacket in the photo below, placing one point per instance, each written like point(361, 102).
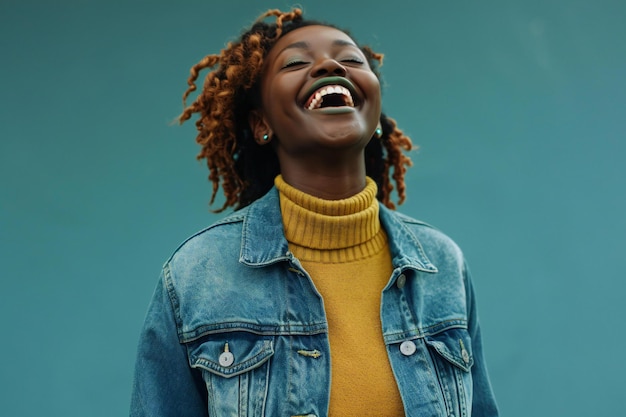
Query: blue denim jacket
point(237, 328)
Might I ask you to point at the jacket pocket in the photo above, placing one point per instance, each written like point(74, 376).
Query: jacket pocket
point(452, 358)
point(235, 369)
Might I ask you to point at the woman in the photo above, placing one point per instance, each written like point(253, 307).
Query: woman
point(311, 299)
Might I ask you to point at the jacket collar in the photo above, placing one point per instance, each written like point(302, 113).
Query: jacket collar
point(406, 250)
point(263, 240)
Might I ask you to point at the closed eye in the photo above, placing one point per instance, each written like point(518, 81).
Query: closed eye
point(294, 63)
point(353, 60)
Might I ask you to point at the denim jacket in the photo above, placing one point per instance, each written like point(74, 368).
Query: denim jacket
point(237, 328)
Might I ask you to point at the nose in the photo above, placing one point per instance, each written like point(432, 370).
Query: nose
point(328, 66)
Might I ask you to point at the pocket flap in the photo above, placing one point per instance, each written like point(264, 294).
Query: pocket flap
point(455, 346)
point(246, 352)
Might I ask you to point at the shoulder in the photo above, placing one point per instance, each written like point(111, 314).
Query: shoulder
point(425, 232)
point(205, 261)
point(413, 234)
point(220, 235)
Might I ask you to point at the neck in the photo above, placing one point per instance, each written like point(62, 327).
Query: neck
point(327, 179)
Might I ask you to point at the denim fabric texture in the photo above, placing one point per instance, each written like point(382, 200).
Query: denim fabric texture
point(237, 328)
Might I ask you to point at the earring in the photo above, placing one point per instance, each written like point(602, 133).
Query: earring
point(266, 137)
point(378, 132)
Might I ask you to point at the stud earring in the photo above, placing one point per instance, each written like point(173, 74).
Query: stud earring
point(378, 132)
point(266, 137)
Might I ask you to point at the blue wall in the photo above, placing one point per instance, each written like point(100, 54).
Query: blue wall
point(519, 110)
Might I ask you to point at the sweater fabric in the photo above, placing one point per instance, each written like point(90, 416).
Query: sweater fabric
point(343, 247)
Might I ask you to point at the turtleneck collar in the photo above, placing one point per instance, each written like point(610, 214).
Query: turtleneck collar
point(331, 230)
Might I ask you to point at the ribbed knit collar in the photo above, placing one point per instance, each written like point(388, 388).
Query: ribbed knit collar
point(331, 230)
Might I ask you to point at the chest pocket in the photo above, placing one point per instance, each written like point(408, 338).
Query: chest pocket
point(452, 358)
point(235, 369)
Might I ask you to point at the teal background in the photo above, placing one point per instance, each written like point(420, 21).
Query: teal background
point(518, 107)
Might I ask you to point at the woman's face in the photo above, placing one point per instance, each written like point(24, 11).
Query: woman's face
point(318, 93)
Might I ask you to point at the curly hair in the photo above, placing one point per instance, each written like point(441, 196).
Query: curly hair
point(245, 169)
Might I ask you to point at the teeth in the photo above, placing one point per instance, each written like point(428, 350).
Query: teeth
point(316, 101)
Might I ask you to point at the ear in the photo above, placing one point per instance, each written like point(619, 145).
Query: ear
point(261, 131)
point(378, 133)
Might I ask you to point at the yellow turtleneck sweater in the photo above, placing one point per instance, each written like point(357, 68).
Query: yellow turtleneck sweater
point(343, 247)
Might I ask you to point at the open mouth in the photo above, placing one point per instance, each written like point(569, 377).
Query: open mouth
point(331, 92)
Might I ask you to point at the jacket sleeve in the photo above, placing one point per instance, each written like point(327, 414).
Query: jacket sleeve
point(164, 383)
point(483, 402)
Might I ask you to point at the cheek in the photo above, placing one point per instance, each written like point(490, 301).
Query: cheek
point(376, 86)
point(373, 87)
point(377, 102)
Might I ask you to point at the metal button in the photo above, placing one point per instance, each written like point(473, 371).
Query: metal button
point(465, 356)
point(407, 348)
point(226, 358)
point(401, 281)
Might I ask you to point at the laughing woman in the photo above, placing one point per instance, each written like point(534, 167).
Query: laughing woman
point(314, 297)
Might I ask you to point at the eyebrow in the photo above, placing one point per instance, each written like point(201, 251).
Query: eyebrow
point(305, 45)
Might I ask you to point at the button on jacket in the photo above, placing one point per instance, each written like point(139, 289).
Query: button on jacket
point(237, 328)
